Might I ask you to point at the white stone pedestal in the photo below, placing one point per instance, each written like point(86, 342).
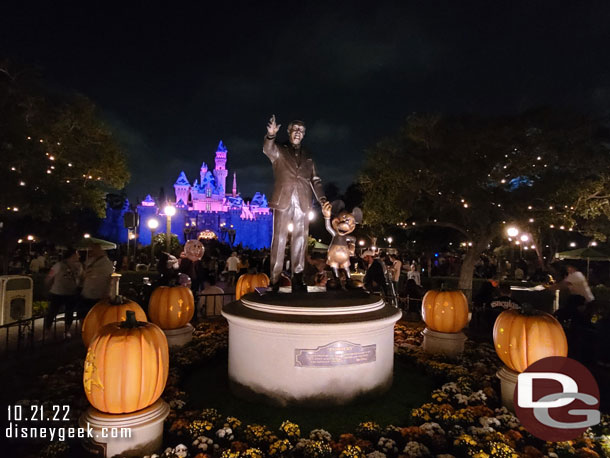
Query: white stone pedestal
point(310, 348)
point(179, 337)
point(508, 381)
point(445, 343)
point(133, 434)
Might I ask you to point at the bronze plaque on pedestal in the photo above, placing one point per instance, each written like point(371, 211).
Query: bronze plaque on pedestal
point(339, 353)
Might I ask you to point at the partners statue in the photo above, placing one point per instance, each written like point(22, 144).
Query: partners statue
point(295, 179)
point(342, 246)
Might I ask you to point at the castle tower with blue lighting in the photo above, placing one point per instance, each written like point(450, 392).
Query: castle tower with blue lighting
point(205, 210)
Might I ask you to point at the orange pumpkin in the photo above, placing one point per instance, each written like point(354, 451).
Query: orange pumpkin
point(247, 283)
point(521, 339)
point(109, 311)
point(126, 367)
point(445, 311)
point(171, 307)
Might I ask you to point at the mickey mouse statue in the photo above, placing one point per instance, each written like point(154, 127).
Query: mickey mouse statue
point(342, 245)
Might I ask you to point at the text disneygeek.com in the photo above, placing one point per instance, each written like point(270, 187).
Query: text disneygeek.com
point(61, 433)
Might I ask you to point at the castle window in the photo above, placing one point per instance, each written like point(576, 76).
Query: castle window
point(208, 207)
point(208, 192)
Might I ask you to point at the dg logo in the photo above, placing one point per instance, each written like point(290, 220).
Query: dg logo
point(557, 399)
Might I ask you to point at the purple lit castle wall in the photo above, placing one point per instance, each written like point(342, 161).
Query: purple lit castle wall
point(205, 209)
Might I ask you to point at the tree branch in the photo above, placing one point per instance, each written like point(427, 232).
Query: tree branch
point(456, 227)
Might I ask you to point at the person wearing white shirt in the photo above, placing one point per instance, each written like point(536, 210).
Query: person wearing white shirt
point(63, 280)
point(96, 280)
point(210, 299)
point(232, 263)
point(576, 283)
point(396, 266)
point(413, 274)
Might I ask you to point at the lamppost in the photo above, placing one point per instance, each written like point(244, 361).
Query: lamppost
point(524, 238)
point(169, 212)
point(512, 232)
point(152, 225)
point(30, 240)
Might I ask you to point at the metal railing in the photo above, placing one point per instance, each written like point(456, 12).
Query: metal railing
point(31, 332)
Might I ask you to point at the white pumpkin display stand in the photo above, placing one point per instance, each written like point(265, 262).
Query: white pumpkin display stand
point(179, 337)
point(508, 382)
point(145, 426)
point(443, 343)
point(310, 348)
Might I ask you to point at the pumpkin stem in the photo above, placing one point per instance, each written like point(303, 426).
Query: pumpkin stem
point(130, 320)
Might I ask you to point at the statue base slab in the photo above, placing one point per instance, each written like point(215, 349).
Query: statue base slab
point(508, 382)
point(310, 348)
point(179, 337)
point(131, 434)
point(444, 343)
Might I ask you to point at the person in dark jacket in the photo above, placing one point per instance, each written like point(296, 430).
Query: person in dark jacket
point(374, 279)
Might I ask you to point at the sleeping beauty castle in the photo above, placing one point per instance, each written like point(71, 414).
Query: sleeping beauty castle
point(205, 209)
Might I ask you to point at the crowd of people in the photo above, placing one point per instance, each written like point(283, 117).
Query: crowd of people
point(75, 286)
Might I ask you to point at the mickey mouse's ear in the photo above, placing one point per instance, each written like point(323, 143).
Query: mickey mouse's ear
point(337, 206)
point(357, 215)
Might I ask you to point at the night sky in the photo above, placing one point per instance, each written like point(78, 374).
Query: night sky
point(173, 80)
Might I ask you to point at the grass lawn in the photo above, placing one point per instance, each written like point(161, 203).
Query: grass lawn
point(208, 387)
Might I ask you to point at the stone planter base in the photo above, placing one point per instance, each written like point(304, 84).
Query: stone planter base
point(508, 381)
point(131, 434)
point(310, 348)
point(179, 337)
point(444, 343)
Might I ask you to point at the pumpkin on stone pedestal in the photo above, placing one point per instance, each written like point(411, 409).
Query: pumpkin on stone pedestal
point(523, 337)
point(109, 311)
point(247, 283)
point(171, 307)
point(445, 311)
point(126, 367)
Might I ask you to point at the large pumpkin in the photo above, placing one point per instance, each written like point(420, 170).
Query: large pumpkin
point(126, 367)
point(445, 311)
point(171, 307)
point(109, 311)
point(521, 339)
point(247, 283)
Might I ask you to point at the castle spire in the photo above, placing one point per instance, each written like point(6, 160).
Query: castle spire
point(234, 184)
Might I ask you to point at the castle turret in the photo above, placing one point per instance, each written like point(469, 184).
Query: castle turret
point(203, 171)
point(220, 171)
point(234, 184)
point(182, 188)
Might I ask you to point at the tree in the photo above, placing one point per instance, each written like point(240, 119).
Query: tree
point(476, 175)
point(59, 158)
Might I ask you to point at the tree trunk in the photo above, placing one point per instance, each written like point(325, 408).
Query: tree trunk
point(467, 268)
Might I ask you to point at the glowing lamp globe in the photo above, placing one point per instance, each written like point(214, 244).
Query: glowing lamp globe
point(152, 224)
point(169, 210)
